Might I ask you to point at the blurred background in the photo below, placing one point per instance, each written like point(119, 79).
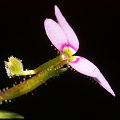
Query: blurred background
point(71, 95)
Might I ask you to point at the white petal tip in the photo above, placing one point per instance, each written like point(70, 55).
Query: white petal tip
point(56, 7)
point(103, 82)
point(113, 93)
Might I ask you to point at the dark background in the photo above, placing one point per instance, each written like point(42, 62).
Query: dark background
point(71, 95)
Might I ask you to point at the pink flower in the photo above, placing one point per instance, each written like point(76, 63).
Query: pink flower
point(65, 40)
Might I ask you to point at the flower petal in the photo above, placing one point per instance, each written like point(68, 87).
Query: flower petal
point(55, 34)
point(86, 67)
point(70, 34)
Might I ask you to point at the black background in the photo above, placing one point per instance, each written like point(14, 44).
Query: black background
point(71, 95)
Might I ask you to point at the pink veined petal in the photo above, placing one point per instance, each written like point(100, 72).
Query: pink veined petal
point(70, 34)
point(55, 34)
point(86, 67)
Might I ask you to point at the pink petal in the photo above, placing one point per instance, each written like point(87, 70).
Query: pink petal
point(86, 67)
point(70, 34)
point(55, 34)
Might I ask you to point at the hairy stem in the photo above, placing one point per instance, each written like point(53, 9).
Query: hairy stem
point(31, 83)
point(54, 62)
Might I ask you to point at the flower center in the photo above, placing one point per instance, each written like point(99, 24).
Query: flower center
point(68, 50)
point(67, 54)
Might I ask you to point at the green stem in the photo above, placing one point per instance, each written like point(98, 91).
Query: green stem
point(31, 83)
point(54, 62)
point(45, 71)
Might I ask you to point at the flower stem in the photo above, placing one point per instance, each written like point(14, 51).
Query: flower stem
point(54, 62)
point(31, 83)
point(44, 72)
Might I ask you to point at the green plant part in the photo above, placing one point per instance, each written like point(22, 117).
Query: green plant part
point(45, 71)
point(9, 115)
point(31, 83)
point(13, 66)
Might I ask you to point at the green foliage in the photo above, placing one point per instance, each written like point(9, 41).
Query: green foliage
point(10, 115)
